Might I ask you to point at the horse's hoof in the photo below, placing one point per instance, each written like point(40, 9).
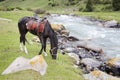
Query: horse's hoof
point(45, 53)
point(54, 57)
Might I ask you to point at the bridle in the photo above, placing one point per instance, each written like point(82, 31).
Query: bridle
point(53, 50)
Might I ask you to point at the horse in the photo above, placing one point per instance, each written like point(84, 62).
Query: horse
point(42, 29)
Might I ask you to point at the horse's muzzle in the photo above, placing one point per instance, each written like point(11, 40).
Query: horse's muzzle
point(54, 57)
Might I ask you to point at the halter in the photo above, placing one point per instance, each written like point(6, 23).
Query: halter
point(52, 50)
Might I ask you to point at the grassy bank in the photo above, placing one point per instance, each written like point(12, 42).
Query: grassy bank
point(60, 69)
point(102, 15)
point(98, 15)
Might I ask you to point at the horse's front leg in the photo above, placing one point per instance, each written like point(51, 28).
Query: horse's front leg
point(43, 43)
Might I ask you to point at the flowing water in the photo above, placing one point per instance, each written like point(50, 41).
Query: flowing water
point(84, 29)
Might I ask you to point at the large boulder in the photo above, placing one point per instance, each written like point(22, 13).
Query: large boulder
point(75, 57)
point(37, 63)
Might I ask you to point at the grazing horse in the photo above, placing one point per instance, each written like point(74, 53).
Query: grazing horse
point(40, 28)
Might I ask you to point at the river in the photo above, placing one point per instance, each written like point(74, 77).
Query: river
point(92, 32)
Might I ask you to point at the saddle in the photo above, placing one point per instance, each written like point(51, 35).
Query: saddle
point(36, 24)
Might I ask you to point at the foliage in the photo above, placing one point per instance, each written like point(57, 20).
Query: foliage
point(39, 11)
point(53, 3)
point(9, 8)
point(72, 5)
point(116, 5)
point(89, 6)
point(2, 0)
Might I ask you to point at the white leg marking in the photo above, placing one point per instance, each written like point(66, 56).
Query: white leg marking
point(45, 53)
point(25, 50)
point(21, 47)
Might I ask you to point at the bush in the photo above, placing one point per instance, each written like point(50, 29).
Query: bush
point(89, 6)
point(53, 4)
point(107, 8)
point(81, 9)
point(116, 5)
point(29, 9)
point(2, 8)
point(106, 1)
point(39, 11)
point(19, 8)
point(2, 0)
point(9, 9)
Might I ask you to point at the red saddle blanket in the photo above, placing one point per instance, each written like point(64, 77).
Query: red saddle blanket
point(31, 25)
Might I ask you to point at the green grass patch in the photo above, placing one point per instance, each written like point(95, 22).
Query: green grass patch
point(101, 15)
point(60, 69)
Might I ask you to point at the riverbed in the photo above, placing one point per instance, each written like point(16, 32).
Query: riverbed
point(93, 32)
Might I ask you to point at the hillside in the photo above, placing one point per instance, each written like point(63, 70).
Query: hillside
point(24, 3)
point(62, 5)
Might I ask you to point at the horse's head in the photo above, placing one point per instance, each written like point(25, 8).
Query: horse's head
point(53, 52)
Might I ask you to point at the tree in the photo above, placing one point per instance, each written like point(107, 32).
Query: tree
point(2, 0)
point(89, 6)
point(116, 5)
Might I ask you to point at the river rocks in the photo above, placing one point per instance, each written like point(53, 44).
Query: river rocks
point(71, 49)
point(75, 57)
point(112, 66)
point(107, 24)
point(90, 64)
point(60, 29)
point(111, 24)
point(72, 38)
point(99, 75)
point(114, 62)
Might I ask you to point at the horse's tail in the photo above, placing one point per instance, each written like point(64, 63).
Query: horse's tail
point(22, 26)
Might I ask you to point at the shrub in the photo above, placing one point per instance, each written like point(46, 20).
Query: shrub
point(29, 9)
point(19, 8)
point(53, 4)
point(9, 9)
point(2, 0)
point(116, 5)
point(89, 6)
point(2, 8)
point(107, 8)
point(39, 11)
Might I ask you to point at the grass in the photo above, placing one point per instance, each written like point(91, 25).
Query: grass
point(25, 3)
point(102, 15)
point(60, 69)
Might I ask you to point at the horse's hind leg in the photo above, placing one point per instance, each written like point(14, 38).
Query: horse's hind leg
point(22, 40)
